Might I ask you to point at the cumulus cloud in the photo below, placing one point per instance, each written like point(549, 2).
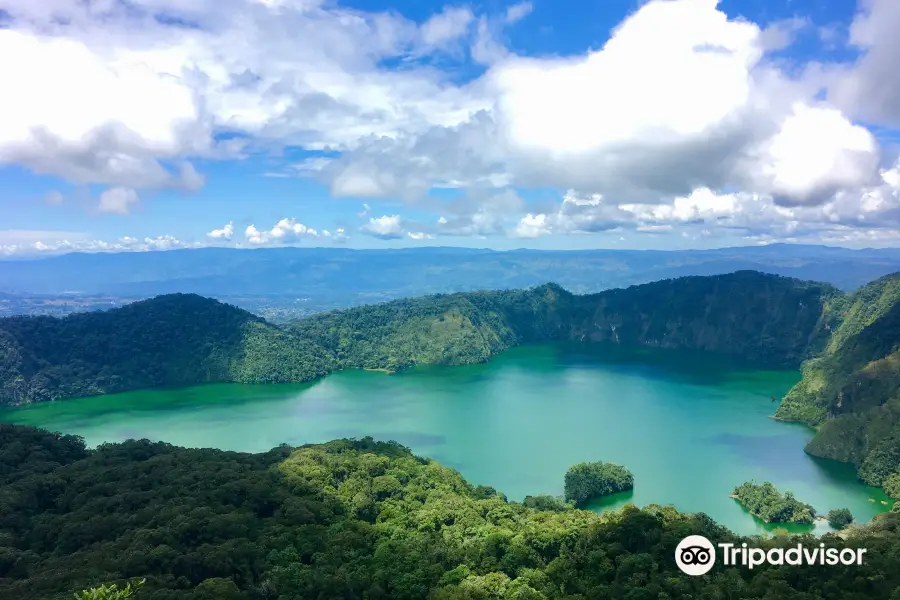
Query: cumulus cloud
point(286, 230)
point(532, 226)
point(680, 98)
point(682, 111)
point(384, 227)
point(127, 93)
point(117, 200)
point(226, 233)
point(874, 211)
point(54, 242)
point(338, 236)
point(419, 235)
point(870, 89)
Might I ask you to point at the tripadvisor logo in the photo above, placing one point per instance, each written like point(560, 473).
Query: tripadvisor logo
point(696, 555)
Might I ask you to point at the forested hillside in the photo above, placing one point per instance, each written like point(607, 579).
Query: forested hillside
point(179, 339)
point(852, 390)
point(186, 339)
point(356, 519)
point(762, 318)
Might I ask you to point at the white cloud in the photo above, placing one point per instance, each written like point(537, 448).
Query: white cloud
point(419, 235)
point(683, 111)
point(447, 26)
point(680, 98)
point(338, 236)
point(870, 89)
point(226, 233)
point(50, 242)
point(111, 94)
point(816, 154)
point(532, 226)
point(117, 200)
point(385, 227)
point(874, 210)
point(286, 230)
point(517, 12)
point(92, 116)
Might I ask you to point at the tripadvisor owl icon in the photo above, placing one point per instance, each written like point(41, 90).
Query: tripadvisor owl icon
point(695, 555)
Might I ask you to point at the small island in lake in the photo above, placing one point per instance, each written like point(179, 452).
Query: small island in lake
point(767, 503)
point(840, 518)
point(589, 480)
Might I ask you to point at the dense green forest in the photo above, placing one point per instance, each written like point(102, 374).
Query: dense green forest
point(839, 518)
point(761, 318)
point(589, 480)
point(851, 391)
point(770, 505)
point(173, 340)
point(354, 519)
point(184, 339)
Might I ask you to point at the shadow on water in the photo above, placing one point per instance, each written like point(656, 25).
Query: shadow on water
point(611, 502)
point(688, 366)
point(680, 366)
point(840, 473)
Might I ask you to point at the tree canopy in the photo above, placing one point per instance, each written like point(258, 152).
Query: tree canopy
point(590, 480)
point(354, 519)
point(767, 503)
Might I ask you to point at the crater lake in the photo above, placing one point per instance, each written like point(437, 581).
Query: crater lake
point(689, 426)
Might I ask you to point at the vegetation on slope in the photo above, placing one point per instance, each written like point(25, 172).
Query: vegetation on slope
point(355, 519)
point(852, 390)
point(180, 339)
point(767, 503)
point(589, 480)
point(864, 329)
point(185, 339)
point(761, 318)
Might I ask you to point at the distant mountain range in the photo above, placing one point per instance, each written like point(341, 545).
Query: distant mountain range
point(315, 279)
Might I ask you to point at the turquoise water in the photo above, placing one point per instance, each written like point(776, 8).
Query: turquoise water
point(690, 427)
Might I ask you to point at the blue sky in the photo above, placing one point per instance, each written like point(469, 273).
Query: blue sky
point(368, 124)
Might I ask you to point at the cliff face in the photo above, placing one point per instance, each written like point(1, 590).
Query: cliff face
point(757, 317)
point(761, 318)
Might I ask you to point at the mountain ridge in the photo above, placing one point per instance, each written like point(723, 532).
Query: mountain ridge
point(324, 274)
point(184, 339)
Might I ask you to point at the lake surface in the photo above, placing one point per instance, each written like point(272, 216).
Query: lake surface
point(689, 426)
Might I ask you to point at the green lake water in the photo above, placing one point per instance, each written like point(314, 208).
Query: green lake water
point(689, 426)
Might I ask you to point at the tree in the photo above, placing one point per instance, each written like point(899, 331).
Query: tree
point(892, 485)
point(839, 518)
point(767, 503)
point(588, 480)
point(111, 592)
